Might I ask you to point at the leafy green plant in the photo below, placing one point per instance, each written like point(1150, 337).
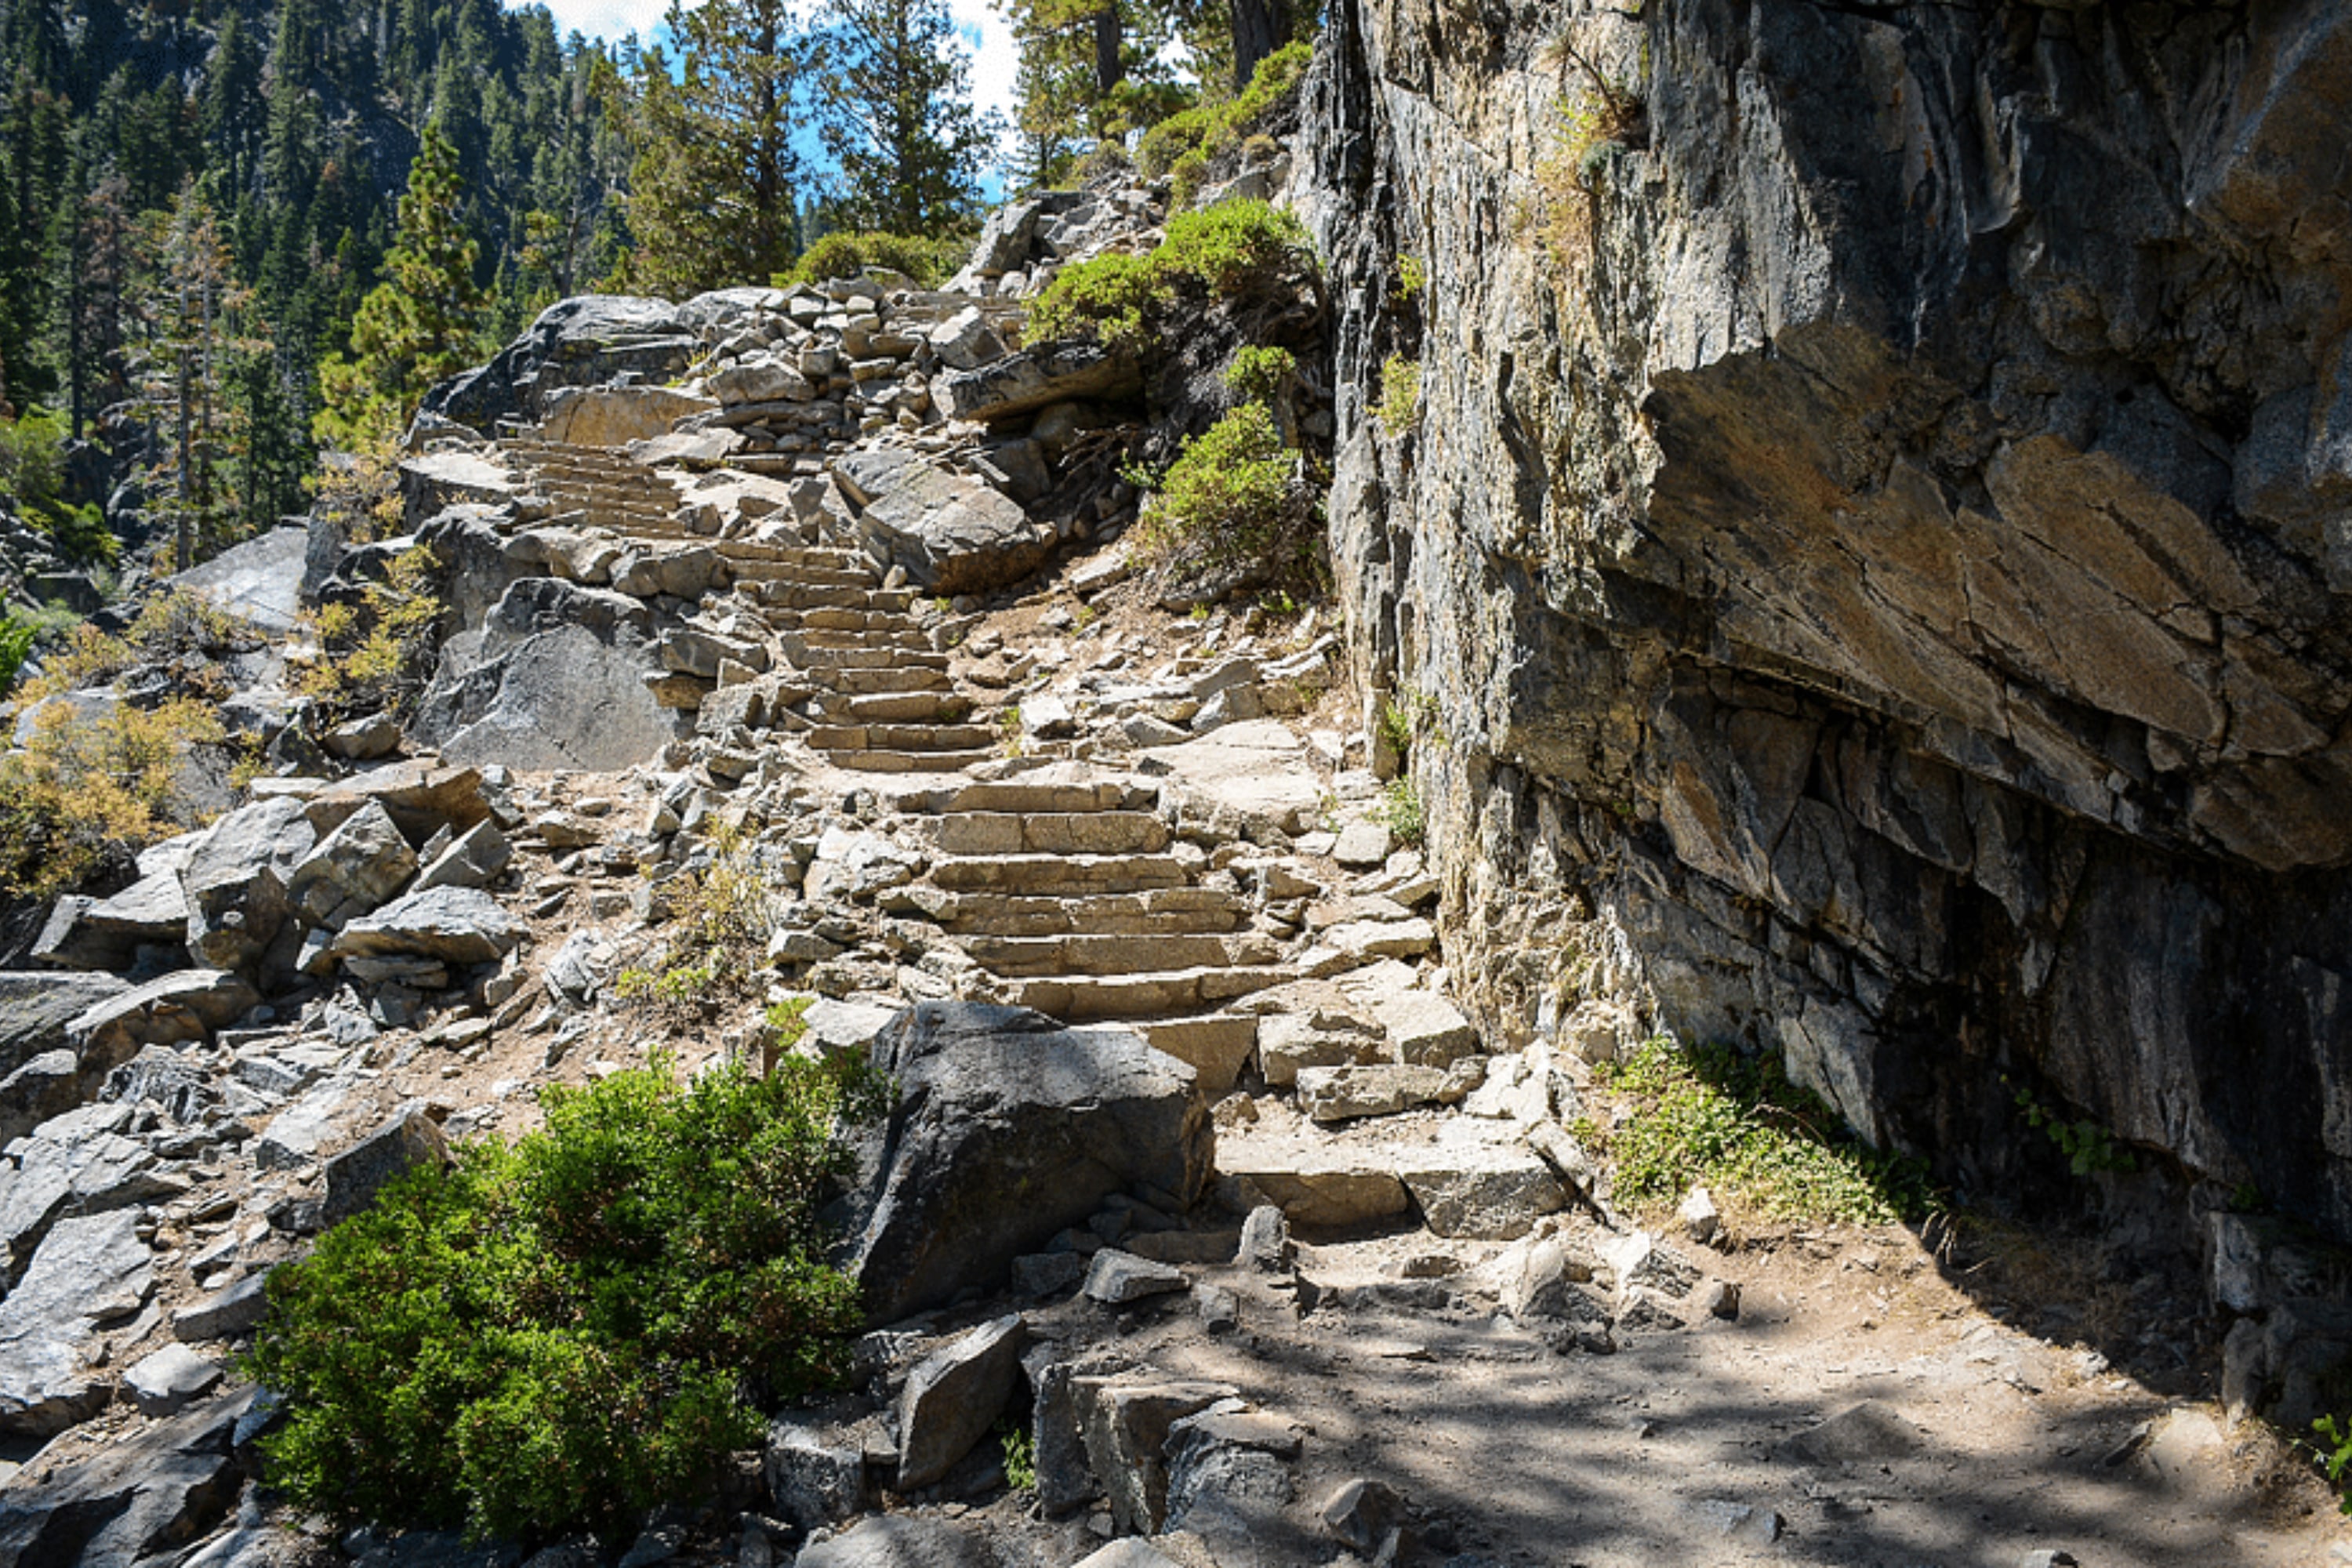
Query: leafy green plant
point(2089, 1147)
point(1413, 276)
point(1020, 1448)
point(1400, 395)
point(2335, 1455)
point(1734, 1122)
point(564, 1331)
point(1259, 374)
point(1395, 723)
point(1194, 137)
point(379, 652)
point(720, 922)
point(16, 647)
point(1231, 495)
point(1401, 810)
point(1227, 250)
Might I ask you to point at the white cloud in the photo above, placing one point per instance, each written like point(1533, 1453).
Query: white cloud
point(607, 20)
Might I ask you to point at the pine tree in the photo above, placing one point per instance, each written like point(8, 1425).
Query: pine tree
point(421, 324)
point(196, 326)
point(1092, 70)
point(895, 113)
point(714, 190)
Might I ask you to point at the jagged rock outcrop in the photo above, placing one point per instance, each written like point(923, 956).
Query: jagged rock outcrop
point(1869, 538)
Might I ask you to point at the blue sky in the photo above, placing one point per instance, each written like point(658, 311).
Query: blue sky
point(995, 58)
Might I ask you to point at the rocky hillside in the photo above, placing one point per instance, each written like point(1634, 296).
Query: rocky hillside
point(1831, 551)
point(1862, 561)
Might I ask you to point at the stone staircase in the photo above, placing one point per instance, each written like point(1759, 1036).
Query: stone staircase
point(1072, 894)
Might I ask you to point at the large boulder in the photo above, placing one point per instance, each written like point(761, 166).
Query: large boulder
point(34, 1009)
point(590, 340)
point(1008, 1127)
point(616, 415)
point(952, 534)
point(235, 884)
point(554, 679)
point(259, 581)
point(453, 925)
point(1032, 379)
point(353, 869)
point(187, 1004)
point(432, 482)
point(145, 921)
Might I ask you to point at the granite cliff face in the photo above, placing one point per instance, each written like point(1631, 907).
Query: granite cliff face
point(1870, 563)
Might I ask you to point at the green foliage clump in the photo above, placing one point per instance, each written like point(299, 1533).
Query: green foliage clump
point(2335, 1457)
point(1735, 1124)
point(718, 926)
point(564, 1331)
point(927, 261)
point(379, 652)
point(1019, 1444)
point(1259, 374)
point(1400, 811)
point(1230, 496)
point(1230, 249)
point(1413, 276)
point(1201, 134)
point(2089, 1148)
point(16, 647)
point(1400, 395)
point(422, 324)
point(33, 483)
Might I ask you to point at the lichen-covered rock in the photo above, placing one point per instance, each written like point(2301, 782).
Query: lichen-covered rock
point(1876, 579)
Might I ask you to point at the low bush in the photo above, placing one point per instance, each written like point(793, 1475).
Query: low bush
point(85, 788)
point(1258, 374)
point(563, 1332)
point(1227, 251)
point(1234, 495)
point(926, 260)
point(1400, 395)
point(1735, 1123)
point(379, 653)
point(718, 923)
point(1210, 129)
point(33, 482)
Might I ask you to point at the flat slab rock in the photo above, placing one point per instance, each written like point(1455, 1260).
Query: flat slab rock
point(455, 925)
point(953, 534)
point(901, 1541)
point(88, 1272)
point(1466, 1179)
point(1256, 769)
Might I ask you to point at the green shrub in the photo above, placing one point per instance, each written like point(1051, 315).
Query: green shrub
point(1737, 1124)
point(33, 481)
point(1258, 374)
point(563, 1332)
point(1400, 395)
point(925, 259)
point(1400, 811)
point(1201, 133)
point(16, 647)
point(1106, 299)
point(1230, 496)
point(1228, 249)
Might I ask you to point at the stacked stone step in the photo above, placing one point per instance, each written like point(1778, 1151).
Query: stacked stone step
point(1074, 897)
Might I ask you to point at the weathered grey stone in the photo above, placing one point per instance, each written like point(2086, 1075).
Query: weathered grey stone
point(554, 681)
point(146, 918)
point(760, 378)
point(952, 534)
point(143, 1498)
point(165, 1381)
point(236, 882)
point(360, 1172)
point(1118, 1279)
point(174, 1008)
point(423, 797)
point(473, 860)
point(616, 415)
point(587, 341)
point(353, 869)
point(1008, 1128)
point(455, 925)
point(258, 581)
point(1124, 1421)
point(35, 1008)
point(900, 1540)
point(364, 739)
point(1484, 1190)
point(816, 1474)
point(1342, 1093)
point(1926, 639)
point(225, 1314)
point(965, 340)
point(954, 1396)
point(1025, 382)
point(88, 1271)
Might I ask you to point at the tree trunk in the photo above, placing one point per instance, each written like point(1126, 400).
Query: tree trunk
point(1260, 28)
point(1110, 69)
